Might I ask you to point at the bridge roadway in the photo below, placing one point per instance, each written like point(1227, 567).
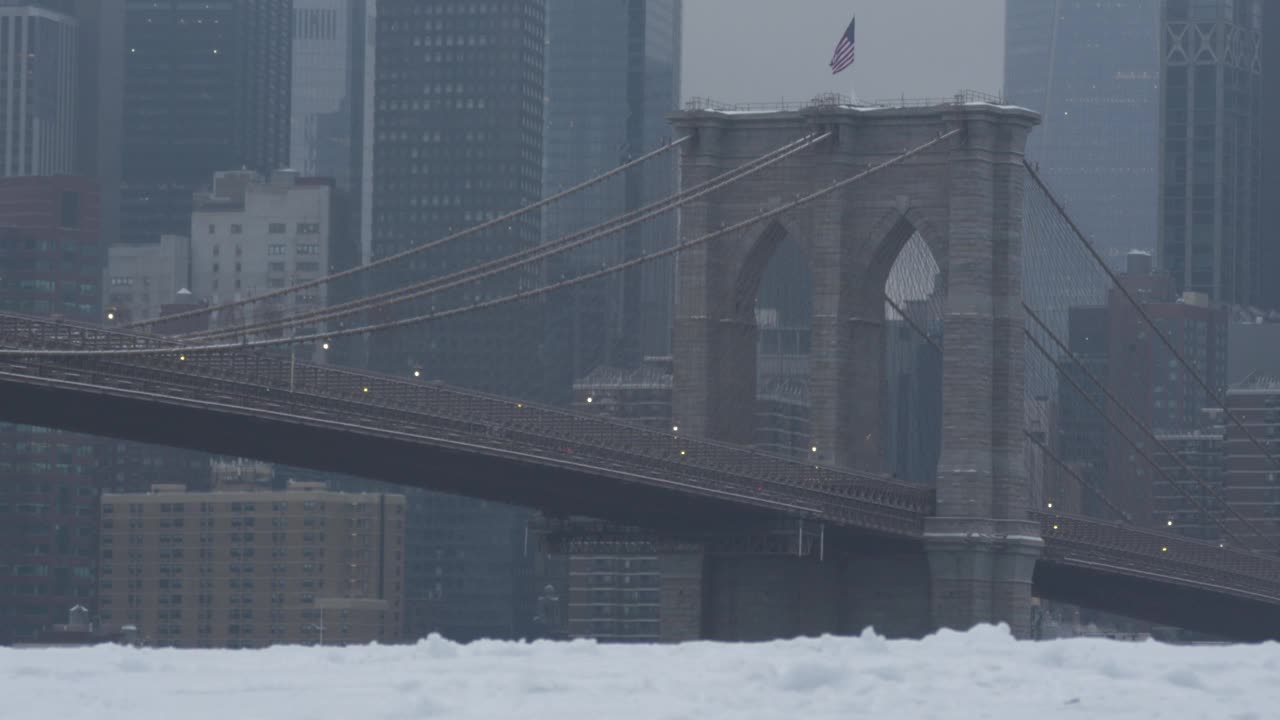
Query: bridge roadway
point(412, 432)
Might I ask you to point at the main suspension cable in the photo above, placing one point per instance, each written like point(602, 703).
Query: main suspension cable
point(500, 220)
point(516, 297)
point(1132, 443)
point(1087, 485)
point(1146, 318)
point(1071, 473)
point(521, 258)
point(1062, 347)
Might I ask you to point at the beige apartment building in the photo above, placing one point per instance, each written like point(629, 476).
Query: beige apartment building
point(252, 568)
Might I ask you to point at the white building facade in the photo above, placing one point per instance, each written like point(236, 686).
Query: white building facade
point(251, 236)
point(141, 279)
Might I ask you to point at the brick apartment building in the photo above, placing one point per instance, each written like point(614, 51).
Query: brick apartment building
point(247, 568)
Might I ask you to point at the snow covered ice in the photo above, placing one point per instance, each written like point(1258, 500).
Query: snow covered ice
point(980, 674)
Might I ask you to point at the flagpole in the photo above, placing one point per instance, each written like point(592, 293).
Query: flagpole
point(843, 57)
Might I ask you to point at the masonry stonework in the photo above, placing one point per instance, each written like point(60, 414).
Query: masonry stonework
point(964, 196)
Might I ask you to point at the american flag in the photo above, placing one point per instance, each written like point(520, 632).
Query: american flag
point(843, 57)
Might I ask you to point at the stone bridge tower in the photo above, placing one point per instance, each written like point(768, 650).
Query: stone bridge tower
point(964, 196)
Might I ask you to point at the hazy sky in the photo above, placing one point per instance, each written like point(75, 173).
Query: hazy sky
point(744, 51)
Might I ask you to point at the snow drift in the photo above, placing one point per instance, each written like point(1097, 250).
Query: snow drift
point(980, 674)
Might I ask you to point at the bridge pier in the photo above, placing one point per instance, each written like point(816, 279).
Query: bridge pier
point(981, 572)
point(761, 598)
point(769, 597)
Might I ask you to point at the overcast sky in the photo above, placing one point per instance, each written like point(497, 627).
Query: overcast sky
point(743, 51)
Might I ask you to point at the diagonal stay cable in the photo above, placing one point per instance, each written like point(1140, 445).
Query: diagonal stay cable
point(500, 220)
point(1138, 423)
point(507, 299)
point(524, 257)
point(1146, 318)
point(1091, 487)
point(1115, 426)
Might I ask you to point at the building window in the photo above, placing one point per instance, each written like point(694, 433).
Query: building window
point(69, 217)
point(213, 229)
point(308, 228)
point(276, 228)
point(275, 249)
point(237, 229)
point(309, 249)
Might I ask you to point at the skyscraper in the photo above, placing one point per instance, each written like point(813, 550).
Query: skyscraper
point(1114, 345)
point(332, 105)
point(1092, 70)
point(38, 69)
point(457, 141)
point(1271, 155)
point(51, 254)
point(1211, 169)
point(99, 102)
point(206, 88)
point(612, 74)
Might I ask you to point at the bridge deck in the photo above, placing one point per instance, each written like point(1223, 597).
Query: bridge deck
point(271, 385)
point(269, 388)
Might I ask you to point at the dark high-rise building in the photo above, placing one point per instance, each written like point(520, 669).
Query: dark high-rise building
point(1211, 169)
point(99, 103)
point(1092, 70)
point(1271, 155)
point(1194, 462)
point(65, 64)
point(1249, 485)
point(612, 75)
point(457, 141)
point(51, 254)
point(332, 106)
point(1116, 346)
point(38, 69)
point(206, 88)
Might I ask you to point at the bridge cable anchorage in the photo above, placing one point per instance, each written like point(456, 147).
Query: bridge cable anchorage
point(521, 258)
point(1062, 347)
point(1091, 487)
point(495, 302)
point(508, 217)
point(1146, 317)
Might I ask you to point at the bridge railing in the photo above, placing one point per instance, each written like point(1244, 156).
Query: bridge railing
point(1162, 547)
point(403, 414)
point(277, 369)
point(634, 443)
point(578, 428)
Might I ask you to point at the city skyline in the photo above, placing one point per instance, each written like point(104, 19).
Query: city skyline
point(665, 401)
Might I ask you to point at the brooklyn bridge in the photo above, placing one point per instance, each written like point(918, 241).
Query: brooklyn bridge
point(826, 542)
